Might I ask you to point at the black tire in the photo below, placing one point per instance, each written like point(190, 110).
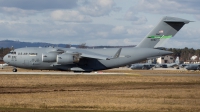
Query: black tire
point(14, 70)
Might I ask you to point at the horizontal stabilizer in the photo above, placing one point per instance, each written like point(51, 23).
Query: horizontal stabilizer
point(173, 19)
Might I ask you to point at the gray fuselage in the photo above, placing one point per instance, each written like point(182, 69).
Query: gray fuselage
point(47, 58)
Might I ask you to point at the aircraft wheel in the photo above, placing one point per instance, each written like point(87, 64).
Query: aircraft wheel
point(14, 70)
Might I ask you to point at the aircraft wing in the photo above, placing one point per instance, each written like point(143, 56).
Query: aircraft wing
point(100, 56)
point(172, 65)
point(94, 55)
point(86, 54)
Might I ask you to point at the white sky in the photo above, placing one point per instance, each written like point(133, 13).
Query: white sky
point(96, 22)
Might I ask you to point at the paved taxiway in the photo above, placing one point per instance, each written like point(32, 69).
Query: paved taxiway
point(62, 73)
point(97, 73)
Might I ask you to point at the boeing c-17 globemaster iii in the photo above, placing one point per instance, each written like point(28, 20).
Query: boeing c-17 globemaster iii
point(87, 60)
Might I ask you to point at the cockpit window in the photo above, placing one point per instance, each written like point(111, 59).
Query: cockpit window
point(12, 52)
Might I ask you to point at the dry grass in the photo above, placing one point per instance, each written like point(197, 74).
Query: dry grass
point(103, 92)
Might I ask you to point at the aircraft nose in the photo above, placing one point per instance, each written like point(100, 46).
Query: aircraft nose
point(5, 59)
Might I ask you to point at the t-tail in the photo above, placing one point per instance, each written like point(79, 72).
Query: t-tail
point(166, 28)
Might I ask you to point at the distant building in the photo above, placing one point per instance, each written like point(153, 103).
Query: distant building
point(165, 59)
point(193, 57)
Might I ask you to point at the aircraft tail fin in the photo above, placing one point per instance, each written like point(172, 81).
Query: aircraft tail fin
point(177, 60)
point(149, 61)
point(166, 28)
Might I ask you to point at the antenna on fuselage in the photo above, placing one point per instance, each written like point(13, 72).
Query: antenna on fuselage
point(12, 48)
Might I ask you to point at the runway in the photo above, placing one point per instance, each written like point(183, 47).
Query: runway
point(99, 73)
point(62, 73)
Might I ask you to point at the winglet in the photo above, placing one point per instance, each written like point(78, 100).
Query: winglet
point(117, 53)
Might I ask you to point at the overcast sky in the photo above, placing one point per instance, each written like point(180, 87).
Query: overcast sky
point(96, 22)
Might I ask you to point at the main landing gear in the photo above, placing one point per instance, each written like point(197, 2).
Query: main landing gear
point(14, 69)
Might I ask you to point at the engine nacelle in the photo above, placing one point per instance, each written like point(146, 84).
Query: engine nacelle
point(67, 58)
point(49, 57)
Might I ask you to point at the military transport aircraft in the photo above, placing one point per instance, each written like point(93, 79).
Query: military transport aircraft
point(170, 65)
point(149, 65)
point(87, 60)
point(142, 66)
point(191, 66)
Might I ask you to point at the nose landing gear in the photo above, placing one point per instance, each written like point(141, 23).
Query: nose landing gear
point(14, 69)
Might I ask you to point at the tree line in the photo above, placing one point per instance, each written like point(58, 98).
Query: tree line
point(185, 54)
point(4, 51)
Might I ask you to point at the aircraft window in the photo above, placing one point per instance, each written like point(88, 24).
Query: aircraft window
point(12, 52)
point(8, 56)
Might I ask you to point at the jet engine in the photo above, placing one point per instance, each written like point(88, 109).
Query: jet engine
point(49, 57)
point(68, 58)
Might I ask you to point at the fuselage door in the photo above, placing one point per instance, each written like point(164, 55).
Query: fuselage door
point(13, 58)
